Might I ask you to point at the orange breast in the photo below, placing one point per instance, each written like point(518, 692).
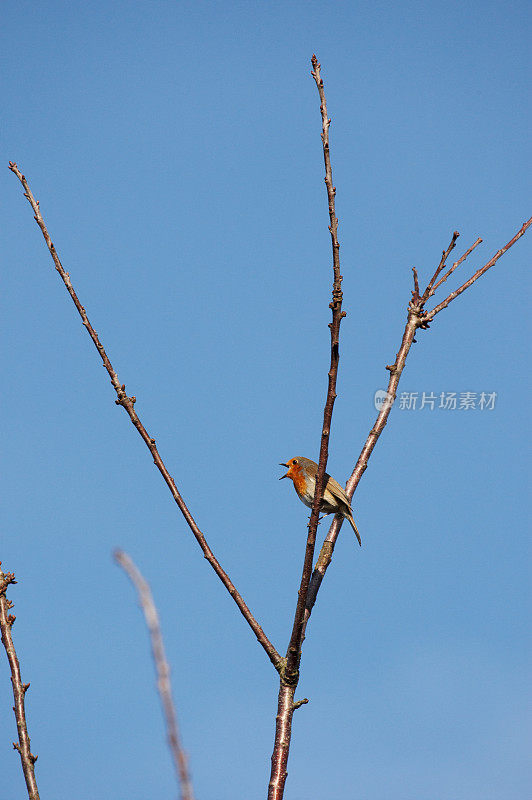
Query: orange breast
point(298, 478)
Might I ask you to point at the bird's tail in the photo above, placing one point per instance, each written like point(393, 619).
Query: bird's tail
point(352, 523)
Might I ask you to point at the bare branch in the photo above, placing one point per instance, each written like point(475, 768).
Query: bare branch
point(395, 370)
point(479, 272)
point(418, 318)
point(294, 649)
point(162, 669)
point(128, 404)
point(416, 297)
point(290, 675)
point(429, 291)
point(455, 265)
point(27, 759)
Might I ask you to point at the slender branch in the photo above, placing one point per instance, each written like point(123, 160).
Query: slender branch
point(290, 675)
point(27, 759)
point(414, 321)
point(479, 272)
point(162, 669)
point(396, 370)
point(128, 404)
point(416, 297)
point(417, 318)
point(455, 265)
point(429, 290)
point(294, 649)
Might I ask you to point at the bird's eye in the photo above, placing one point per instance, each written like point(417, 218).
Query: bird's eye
point(294, 461)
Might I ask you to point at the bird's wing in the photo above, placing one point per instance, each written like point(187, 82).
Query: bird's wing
point(338, 492)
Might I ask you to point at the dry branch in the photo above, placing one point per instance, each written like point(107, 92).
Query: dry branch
point(493, 260)
point(162, 669)
point(128, 404)
point(290, 675)
point(294, 649)
point(27, 759)
point(429, 291)
point(417, 318)
point(455, 265)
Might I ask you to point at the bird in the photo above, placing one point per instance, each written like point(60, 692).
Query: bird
point(302, 471)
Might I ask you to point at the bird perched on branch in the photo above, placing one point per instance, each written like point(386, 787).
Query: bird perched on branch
point(303, 471)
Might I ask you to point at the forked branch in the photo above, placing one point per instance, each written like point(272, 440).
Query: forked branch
point(417, 318)
point(162, 669)
point(27, 759)
point(481, 271)
point(128, 404)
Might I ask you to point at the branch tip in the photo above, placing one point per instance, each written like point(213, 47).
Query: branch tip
point(128, 405)
point(27, 759)
point(493, 260)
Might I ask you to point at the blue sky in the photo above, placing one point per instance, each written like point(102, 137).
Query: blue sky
point(175, 150)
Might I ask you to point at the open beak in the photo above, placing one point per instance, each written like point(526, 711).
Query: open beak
point(283, 476)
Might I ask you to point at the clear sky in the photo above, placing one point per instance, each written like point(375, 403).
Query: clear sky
point(175, 149)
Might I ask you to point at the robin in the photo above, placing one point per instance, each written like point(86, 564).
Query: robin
point(302, 471)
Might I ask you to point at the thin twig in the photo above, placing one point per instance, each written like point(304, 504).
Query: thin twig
point(415, 294)
point(428, 291)
point(290, 675)
point(128, 404)
point(455, 265)
point(27, 759)
point(479, 272)
point(417, 319)
point(162, 669)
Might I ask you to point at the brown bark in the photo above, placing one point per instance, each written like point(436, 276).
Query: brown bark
point(289, 677)
point(128, 404)
point(417, 319)
point(27, 759)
